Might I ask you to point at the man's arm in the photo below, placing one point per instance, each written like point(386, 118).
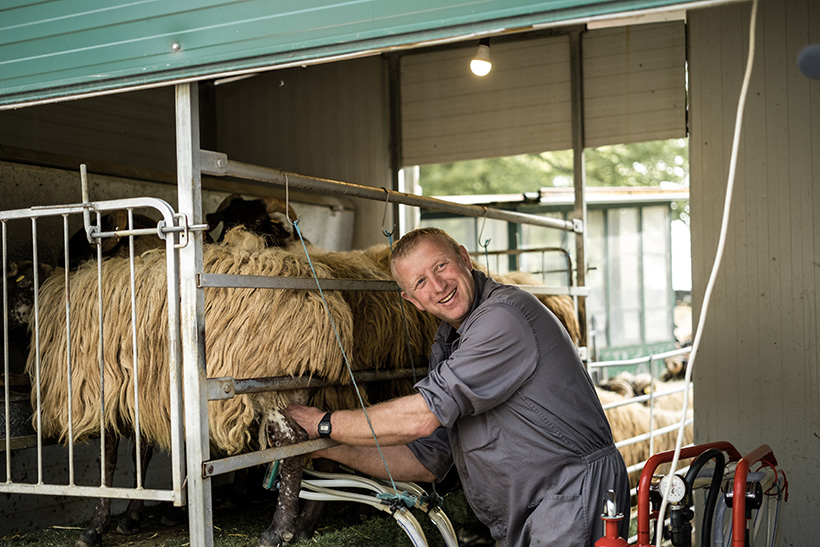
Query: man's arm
point(402, 462)
point(395, 422)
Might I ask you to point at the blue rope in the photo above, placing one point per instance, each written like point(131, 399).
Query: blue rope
point(402, 496)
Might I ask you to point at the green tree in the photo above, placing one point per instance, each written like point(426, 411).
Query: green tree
point(655, 163)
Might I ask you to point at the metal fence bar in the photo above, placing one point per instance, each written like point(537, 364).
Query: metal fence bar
point(218, 164)
point(69, 376)
point(88, 491)
point(36, 280)
point(101, 356)
point(645, 436)
point(639, 360)
point(642, 398)
point(135, 354)
point(6, 371)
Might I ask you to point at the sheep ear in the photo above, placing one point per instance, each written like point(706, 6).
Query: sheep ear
point(228, 201)
point(115, 220)
point(12, 269)
point(45, 271)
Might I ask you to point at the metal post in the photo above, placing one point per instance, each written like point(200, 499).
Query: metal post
point(579, 172)
point(192, 314)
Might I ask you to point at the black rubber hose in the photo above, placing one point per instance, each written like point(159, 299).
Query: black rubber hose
point(714, 488)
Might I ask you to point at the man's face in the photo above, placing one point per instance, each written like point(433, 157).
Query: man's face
point(436, 280)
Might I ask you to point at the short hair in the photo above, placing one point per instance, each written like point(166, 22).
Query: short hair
point(411, 239)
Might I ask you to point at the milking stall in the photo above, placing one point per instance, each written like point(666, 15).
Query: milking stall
point(199, 200)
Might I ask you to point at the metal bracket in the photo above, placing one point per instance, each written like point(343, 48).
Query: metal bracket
point(182, 221)
point(213, 163)
point(183, 228)
point(221, 388)
point(577, 225)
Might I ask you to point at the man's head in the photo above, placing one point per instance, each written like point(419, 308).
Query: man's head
point(435, 274)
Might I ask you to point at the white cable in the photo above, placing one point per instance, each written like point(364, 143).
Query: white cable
point(718, 258)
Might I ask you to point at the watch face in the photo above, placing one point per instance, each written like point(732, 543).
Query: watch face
point(324, 426)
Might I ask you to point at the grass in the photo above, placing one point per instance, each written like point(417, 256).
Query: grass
point(240, 525)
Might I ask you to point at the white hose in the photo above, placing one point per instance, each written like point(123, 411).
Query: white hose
point(436, 514)
point(718, 258)
point(405, 519)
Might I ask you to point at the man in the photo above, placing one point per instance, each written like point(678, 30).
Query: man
point(507, 400)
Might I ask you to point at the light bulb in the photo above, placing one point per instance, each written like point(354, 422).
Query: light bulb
point(481, 65)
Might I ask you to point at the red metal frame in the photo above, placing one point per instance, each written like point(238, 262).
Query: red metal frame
point(761, 454)
point(644, 508)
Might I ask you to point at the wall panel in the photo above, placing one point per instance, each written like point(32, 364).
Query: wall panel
point(756, 375)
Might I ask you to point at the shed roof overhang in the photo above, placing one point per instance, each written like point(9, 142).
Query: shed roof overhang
point(64, 49)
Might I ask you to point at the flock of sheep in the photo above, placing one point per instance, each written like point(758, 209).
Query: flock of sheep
point(249, 333)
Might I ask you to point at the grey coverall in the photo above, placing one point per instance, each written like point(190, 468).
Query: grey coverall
point(522, 423)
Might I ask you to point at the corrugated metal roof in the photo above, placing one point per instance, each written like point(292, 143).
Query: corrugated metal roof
point(61, 48)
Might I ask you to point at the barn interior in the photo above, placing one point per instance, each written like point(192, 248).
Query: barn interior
point(361, 112)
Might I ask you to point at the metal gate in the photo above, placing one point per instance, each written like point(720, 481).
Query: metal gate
point(68, 370)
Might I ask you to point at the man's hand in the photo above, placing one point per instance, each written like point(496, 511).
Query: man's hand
point(308, 417)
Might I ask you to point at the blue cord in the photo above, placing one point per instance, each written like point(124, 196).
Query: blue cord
point(404, 496)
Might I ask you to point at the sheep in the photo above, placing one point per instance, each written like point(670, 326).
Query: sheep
point(631, 420)
point(244, 315)
point(265, 217)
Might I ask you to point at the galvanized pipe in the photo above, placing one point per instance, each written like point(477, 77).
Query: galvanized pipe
point(100, 356)
point(6, 354)
point(218, 164)
point(39, 415)
point(67, 294)
point(135, 354)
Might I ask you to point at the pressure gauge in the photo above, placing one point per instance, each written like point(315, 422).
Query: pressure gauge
point(678, 491)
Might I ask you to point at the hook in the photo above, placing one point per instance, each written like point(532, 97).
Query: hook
point(481, 231)
point(287, 202)
point(486, 243)
point(384, 216)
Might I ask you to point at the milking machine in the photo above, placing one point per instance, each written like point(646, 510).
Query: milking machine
point(397, 502)
point(753, 499)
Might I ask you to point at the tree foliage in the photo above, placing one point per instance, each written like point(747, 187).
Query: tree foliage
point(656, 163)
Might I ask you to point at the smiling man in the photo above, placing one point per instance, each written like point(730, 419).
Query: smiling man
point(507, 401)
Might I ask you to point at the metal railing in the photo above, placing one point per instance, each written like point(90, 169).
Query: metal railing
point(651, 397)
point(173, 234)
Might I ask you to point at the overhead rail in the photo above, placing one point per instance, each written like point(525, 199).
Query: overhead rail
point(218, 164)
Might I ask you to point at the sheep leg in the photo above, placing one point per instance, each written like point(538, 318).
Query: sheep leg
point(101, 520)
point(312, 510)
point(282, 430)
point(130, 521)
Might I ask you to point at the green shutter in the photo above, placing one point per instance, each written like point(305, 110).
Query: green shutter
point(64, 48)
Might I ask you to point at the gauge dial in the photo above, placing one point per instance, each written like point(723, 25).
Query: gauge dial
point(678, 491)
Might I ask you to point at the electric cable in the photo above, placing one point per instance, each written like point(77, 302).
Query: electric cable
point(718, 255)
point(714, 487)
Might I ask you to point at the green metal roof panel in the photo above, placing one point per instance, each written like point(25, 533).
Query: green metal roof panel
point(62, 48)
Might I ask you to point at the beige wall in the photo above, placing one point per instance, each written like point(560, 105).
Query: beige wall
point(757, 373)
point(328, 121)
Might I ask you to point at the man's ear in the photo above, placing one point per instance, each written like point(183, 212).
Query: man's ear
point(465, 257)
point(412, 300)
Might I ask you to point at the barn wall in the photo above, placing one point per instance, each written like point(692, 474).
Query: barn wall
point(328, 121)
point(757, 373)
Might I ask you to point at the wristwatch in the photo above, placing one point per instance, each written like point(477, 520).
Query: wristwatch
point(324, 426)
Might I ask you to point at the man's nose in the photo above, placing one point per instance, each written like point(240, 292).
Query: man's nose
point(438, 283)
